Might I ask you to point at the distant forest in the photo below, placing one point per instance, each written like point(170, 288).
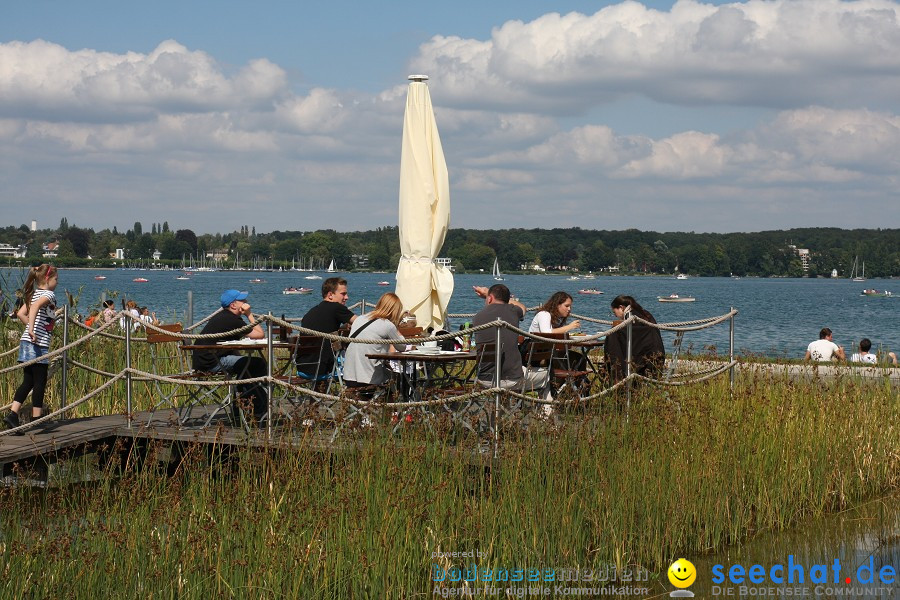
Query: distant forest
point(764, 254)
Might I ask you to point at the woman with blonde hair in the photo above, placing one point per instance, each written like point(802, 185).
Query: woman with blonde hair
point(379, 324)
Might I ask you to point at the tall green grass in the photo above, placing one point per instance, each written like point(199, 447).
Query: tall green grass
point(683, 473)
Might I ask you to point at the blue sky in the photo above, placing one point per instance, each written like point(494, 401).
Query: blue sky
point(703, 116)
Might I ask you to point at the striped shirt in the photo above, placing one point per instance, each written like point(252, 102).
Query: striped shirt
point(44, 321)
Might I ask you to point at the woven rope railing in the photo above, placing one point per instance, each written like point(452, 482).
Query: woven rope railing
point(479, 389)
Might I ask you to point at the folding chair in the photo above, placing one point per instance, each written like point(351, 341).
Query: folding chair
point(565, 375)
point(309, 353)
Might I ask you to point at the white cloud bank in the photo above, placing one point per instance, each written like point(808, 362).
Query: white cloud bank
point(181, 138)
point(781, 53)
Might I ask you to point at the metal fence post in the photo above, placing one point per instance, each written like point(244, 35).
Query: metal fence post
point(270, 358)
point(498, 364)
point(128, 325)
point(189, 317)
point(731, 352)
point(628, 364)
point(64, 384)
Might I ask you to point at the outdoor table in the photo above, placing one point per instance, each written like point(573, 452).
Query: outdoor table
point(243, 345)
point(426, 358)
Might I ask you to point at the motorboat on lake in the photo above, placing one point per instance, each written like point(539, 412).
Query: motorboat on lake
point(681, 276)
point(590, 292)
point(294, 290)
point(676, 298)
point(99, 277)
point(873, 293)
point(140, 280)
point(384, 283)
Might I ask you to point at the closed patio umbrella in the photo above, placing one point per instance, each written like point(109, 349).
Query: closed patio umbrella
point(424, 286)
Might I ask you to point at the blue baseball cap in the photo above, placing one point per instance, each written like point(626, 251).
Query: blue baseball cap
point(229, 296)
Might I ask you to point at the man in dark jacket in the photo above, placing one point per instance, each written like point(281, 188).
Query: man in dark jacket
point(226, 321)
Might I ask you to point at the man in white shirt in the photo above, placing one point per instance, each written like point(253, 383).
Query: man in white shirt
point(823, 349)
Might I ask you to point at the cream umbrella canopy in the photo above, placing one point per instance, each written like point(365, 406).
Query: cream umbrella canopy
point(424, 286)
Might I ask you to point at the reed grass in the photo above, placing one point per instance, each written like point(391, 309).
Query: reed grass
point(685, 472)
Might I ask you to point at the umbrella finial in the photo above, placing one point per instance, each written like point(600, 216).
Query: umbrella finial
point(418, 78)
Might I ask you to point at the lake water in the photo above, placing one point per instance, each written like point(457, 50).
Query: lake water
point(778, 317)
point(865, 536)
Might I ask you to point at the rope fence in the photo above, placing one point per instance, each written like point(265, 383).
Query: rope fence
point(479, 388)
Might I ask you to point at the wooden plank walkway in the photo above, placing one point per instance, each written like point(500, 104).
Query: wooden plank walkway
point(58, 438)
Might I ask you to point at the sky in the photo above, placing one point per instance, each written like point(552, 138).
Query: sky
point(654, 115)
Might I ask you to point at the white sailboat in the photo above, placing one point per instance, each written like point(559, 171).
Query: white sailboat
point(330, 267)
point(854, 276)
point(497, 275)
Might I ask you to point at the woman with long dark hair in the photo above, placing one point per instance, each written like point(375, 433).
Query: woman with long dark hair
point(648, 355)
point(553, 316)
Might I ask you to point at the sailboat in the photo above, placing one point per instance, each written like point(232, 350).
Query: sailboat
point(330, 267)
point(854, 276)
point(497, 276)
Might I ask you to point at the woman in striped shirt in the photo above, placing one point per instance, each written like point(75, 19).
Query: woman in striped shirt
point(38, 315)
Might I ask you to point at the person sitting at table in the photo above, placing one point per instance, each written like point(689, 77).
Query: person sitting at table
point(381, 323)
point(648, 355)
point(553, 316)
point(552, 319)
point(499, 304)
point(227, 360)
point(327, 316)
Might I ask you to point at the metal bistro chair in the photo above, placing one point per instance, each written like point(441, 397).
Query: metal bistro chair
point(537, 356)
point(566, 374)
point(309, 354)
point(168, 358)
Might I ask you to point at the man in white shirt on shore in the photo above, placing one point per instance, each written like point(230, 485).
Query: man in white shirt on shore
point(823, 349)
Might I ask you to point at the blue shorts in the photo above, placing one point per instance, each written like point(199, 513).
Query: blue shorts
point(30, 351)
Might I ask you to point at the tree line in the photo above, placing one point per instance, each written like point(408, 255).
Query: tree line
point(764, 253)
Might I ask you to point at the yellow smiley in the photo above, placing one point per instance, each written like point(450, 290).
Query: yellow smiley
point(682, 573)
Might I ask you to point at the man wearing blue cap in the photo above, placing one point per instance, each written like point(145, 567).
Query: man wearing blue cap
point(225, 322)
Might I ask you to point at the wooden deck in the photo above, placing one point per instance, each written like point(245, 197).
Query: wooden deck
point(68, 438)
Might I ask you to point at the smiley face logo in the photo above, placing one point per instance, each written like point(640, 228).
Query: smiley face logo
point(682, 573)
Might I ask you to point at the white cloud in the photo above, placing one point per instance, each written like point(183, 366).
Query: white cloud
point(175, 131)
point(781, 53)
point(40, 79)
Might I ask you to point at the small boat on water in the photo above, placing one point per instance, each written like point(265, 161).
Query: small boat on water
point(384, 283)
point(681, 276)
point(573, 278)
point(140, 280)
point(183, 277)
point(293, 290)
point(676, 298)
point(313, 277)
point(99, 277)
point(590, 292)
point(873, 293)
point(257, 280)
